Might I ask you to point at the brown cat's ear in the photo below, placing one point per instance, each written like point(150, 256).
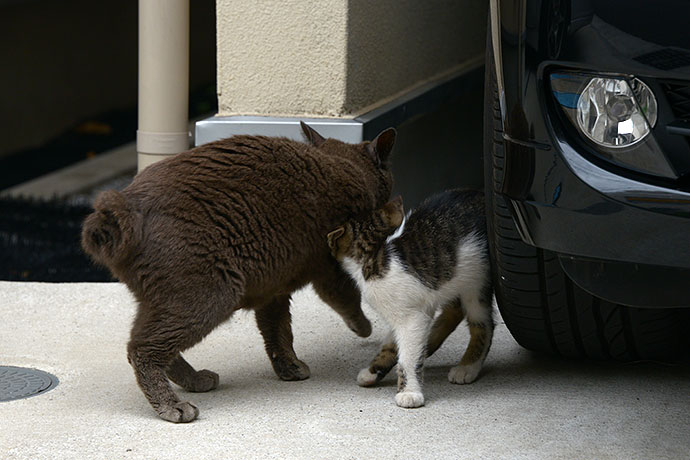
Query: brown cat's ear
point(382, 146)
point(338, 241)
point(393, 213)
point(314, 138)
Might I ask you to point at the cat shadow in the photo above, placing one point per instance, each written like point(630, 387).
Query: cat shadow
point(528, 373)
point(509, 371)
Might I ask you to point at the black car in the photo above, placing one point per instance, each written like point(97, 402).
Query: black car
point(587, 174)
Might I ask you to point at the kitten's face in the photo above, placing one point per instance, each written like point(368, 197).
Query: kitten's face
point(361, 237)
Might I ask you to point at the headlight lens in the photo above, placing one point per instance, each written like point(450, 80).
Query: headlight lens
point(616, 114)
point(613, 113)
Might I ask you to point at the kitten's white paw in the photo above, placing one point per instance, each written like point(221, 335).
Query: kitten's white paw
point(409, 399)
point(366, 378)
point(464, 374)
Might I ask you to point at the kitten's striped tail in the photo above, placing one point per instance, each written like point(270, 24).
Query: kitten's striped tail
point(111, 232)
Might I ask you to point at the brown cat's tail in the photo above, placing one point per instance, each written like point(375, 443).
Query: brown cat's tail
point(110, 233)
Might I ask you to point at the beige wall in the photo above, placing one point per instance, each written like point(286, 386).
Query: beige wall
point(338, 58)
point(393, 45)
point(281, 57)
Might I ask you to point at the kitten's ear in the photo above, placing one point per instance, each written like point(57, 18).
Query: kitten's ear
point(393, 213)
point(382, 146)
point(334, 235)
point(314, 138)
point(339, 240)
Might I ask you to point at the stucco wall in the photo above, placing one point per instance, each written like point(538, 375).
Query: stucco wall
point(340, 58)
point(394, 45)
point(281, 57)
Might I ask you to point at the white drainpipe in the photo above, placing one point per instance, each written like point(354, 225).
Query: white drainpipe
point(163, 79)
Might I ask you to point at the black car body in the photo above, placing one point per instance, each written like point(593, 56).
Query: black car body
point(584, 235)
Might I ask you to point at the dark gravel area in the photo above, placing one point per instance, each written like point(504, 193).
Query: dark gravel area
point(40, 241)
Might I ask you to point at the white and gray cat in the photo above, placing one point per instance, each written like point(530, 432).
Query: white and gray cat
point(423, 273)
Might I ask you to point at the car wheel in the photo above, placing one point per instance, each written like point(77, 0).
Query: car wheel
point(543, 309)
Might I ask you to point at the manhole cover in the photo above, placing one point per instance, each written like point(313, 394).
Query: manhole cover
point(20, 382)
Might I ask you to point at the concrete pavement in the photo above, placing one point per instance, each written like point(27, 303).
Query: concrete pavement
point(522, 407)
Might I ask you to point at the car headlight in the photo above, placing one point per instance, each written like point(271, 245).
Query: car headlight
point(613, 114)
point(616, 114)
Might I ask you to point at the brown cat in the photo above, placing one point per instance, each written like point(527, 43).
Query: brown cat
point(236, 223)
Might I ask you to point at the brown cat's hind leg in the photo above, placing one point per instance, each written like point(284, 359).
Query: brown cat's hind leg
point(183, 374)
point(150, 351)
point(177, 320)
point(337, 289)
point(273, 321)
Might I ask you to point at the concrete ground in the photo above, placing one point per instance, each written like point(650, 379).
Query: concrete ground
point(522, 407)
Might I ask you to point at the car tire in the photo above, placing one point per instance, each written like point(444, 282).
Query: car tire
point(542, 307)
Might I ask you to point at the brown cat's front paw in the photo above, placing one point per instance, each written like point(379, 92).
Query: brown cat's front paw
point(181, 412)
point(360, 326)
point(290, 370)
point(204, 380)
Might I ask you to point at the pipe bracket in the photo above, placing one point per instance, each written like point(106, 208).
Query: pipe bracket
point(162, 143)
